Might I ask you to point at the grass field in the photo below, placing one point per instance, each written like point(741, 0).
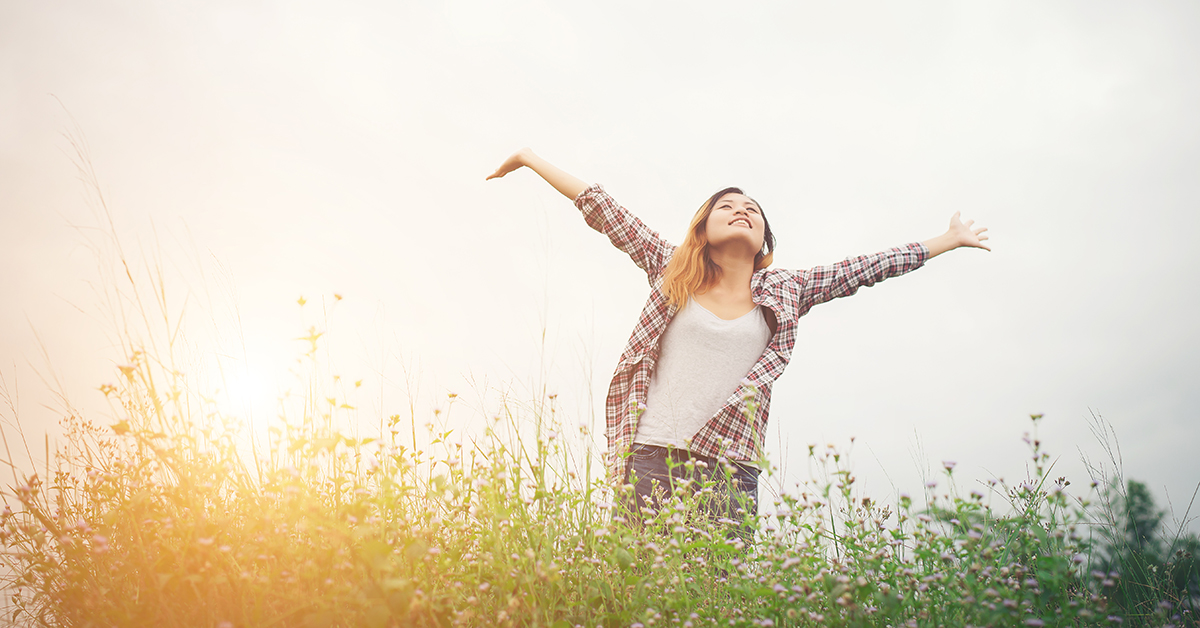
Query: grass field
point(166, 518)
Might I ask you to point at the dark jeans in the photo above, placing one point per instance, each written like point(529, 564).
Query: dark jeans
point(734, 493)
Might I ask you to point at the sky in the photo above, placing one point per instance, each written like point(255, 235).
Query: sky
point(261, 152)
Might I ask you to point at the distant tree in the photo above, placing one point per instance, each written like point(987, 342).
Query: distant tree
point(1142, 519)
point(1147, 577)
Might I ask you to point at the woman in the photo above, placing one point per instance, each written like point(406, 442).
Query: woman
point(694, 381)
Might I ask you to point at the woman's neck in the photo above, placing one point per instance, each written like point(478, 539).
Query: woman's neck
point(736, 271)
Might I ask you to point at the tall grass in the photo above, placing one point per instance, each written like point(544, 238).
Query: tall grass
point(161, 520)
point(166, 517)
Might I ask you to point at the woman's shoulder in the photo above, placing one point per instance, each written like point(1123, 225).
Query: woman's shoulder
point(781, 282)
point(777, 276)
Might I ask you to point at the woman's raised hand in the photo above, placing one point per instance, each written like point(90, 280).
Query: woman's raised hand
point(566, 184)
point(959, 234)
point(516, 160)
point(965, 235)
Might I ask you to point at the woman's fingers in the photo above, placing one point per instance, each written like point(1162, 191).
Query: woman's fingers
point(504, 169)
point(514, 161)
point(980, 238)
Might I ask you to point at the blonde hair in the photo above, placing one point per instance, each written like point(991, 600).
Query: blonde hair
point(691, 269)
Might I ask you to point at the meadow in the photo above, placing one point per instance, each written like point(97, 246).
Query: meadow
point(165, 518)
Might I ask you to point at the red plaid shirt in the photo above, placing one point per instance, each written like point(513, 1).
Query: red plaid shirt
point(738, 430)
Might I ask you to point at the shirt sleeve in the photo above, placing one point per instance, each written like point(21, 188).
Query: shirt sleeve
point(823, 283)
point(642, 244)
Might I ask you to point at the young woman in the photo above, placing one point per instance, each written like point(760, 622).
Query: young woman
point(694, 381)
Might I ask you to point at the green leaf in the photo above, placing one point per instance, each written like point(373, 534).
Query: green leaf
point(376, 552)
point(416, 550)
point(392, 584)
point(624, 558)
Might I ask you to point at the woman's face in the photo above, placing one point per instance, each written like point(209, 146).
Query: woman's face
point(735, 222)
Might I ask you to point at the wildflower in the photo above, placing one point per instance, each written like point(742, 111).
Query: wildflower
point(127, 370)
point(1034, 622)
point(949, 465)
point(931, 484)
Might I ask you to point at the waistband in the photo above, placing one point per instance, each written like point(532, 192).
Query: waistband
point(683, 455)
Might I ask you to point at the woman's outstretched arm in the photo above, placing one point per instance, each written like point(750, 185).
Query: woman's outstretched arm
point(562, 181)
point(844, 278)
point(629, 234)
point(959, 234)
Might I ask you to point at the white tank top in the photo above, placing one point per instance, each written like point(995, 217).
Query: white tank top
point(702, 360)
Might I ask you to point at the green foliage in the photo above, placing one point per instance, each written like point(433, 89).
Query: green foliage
point(159, 520)
point(1144, 574)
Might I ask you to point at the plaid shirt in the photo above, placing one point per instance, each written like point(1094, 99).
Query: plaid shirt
point(738, 430)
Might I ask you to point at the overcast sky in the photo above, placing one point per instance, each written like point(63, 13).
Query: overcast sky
point(273, 150)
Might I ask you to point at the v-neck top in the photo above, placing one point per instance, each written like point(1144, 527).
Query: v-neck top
point(702, 360)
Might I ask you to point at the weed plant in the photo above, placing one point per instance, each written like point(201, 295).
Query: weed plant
point(163, 519)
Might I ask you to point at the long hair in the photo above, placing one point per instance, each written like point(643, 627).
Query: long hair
point(691, 269)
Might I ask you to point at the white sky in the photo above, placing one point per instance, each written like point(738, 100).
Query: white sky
point(303, 148)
